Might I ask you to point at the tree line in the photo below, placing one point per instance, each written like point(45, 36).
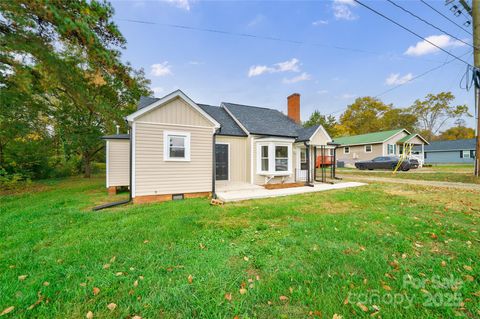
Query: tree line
point(428, 117)
point(63, 84)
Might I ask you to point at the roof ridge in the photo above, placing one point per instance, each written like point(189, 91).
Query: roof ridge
point(258, 107)
point(396, 130)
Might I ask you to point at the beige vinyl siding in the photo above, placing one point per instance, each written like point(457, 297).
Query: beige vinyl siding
point(238, 157)
point(118, 165)
point(320, 138)
point(357, 153)
point(416, 140)
point(394, 140)
point(154, 176)
point(176, 111)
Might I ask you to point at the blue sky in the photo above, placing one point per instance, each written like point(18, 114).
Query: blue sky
point(344, 51)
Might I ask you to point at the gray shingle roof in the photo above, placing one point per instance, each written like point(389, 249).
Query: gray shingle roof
point(146, 101)
point(228, 125)
point(116, 137)
point(465, 144)
point(305, 133)
point(263, 121)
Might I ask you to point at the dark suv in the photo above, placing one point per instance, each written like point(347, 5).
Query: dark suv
point(387, 162)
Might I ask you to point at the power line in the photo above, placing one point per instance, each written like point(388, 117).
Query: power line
point(430, 24)
point(421, 75)
point(410, 31)
point(254, 36)
point(440, 13)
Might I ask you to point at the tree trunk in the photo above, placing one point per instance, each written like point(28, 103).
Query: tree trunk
point(87, 165)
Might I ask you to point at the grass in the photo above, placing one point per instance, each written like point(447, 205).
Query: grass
point(344, 252)
point(462, 173)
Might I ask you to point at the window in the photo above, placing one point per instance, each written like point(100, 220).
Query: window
point(281, 158)
point(303, 159)
point(391, 149)
point(472, 153)
point(368, 148)
point(265, 158)
point(331, 151)
point(176, 146)
point(466, 154)
point(346, 150)
point(274, 158)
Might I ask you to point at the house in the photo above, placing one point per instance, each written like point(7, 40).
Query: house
point(179, 149)
point(368, 146)
point(457, 151)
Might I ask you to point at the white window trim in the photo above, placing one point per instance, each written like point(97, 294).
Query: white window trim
point(345, 150)
point(271, 159)
point(393, 148)
point(108, 163)
point(166, 151)
point(466, 154)
point(371, 148)
point(228, 144)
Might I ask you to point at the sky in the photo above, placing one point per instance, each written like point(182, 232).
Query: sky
point(331, 52)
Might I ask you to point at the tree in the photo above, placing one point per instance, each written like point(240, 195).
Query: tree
point(328, 122)
point(363, 116)
point(71, 48)
point(399, 118)
point(435, 111)
point(456, 133)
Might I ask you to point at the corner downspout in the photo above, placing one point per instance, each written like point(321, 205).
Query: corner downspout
point(214, 164)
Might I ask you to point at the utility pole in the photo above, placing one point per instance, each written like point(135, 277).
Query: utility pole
point(474, 11)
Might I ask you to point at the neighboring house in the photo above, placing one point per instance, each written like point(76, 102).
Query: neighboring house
point(458, 151)
point(179, 148)
point(368, 146)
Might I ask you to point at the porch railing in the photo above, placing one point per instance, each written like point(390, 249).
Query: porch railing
point(300, 175)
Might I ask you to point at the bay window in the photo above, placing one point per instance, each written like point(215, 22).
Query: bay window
point(274, 158)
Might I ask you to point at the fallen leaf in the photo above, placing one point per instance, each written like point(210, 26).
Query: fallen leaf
point(136, 317)
point(96, 291)
point(202, 246)
point(419, 245)
point(245, 258)
point(243, 291)
point(283, 298)
point(106, 266)
point(46, 283)
point(140, 277)
point(362, 306)
point(119, 273)
point(7, 310)
point(467, 268)
point(362, 248)
point(387, 287)
point(135, 283)
point(433, 236)
point(89, 315)
point(22, 277)
point(345, 302)
point(404, 256)
point(443, 263)
point(228, 296)
point(190, 279)
point(39, 300)
point(83, 284)
point(394, 264)
point(111, 306)
point(131, 292)
point(112, 260)
point(335, 316)
point(469, 278)
point(146, 241)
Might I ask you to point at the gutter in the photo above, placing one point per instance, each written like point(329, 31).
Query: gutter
point(214, 164)
point(126, 201)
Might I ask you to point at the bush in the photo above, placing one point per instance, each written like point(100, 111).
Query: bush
point(12, 181)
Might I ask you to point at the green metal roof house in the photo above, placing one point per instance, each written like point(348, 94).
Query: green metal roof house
point(386, 143)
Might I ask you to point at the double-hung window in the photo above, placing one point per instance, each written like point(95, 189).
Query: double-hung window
point(303, 158)
point(176, 146)
point(368, 148)
point(391, 149)
point(274, 158)
point(346, 150)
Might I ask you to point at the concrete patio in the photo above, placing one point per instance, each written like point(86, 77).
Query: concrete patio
point(244, 191)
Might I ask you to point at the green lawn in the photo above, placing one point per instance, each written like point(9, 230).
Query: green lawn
point(448, 173)
point(399, 250)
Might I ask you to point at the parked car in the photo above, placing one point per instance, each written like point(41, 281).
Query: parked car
point(387, 162)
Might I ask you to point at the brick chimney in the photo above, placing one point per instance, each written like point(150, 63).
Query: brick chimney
point(293, 102)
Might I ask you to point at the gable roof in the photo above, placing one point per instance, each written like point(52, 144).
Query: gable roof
point(228, 126)
point(370, 138)
point(167, 98)
point(305, 133)
point(456, 145)
point(146, 101)
point(407, 138)
point(263, 121)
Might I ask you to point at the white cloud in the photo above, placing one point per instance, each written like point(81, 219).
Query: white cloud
point(182, 4)
point(319, 23)
point(161, 69)
point(342, 10)
point(347, 96)
point(396, 79)
point(157, 90)
point(257, 20)
point(302, 77)
point(322, 92)
point(423, 47)
point(292, 65)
